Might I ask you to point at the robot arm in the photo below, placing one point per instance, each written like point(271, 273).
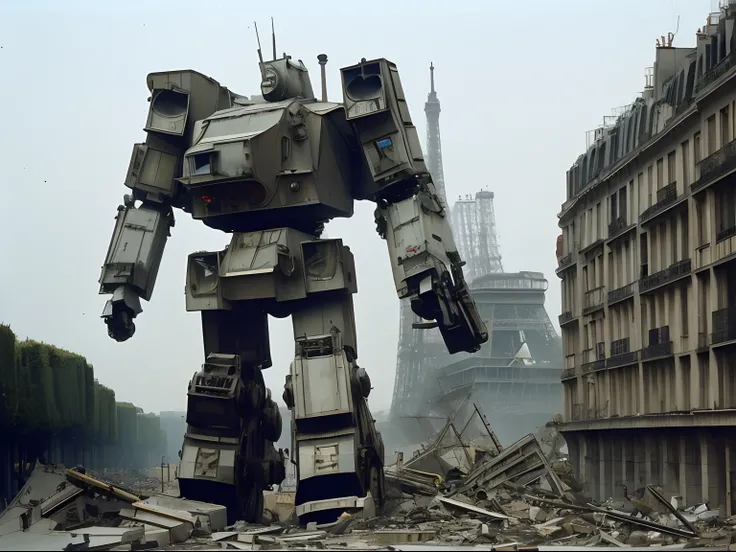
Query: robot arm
point(410, 216)
point(142, 226)
point(132, 262)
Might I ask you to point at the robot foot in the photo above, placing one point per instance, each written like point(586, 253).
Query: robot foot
point(228, 456)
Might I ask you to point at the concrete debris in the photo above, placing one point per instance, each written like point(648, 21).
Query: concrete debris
point(466, 496)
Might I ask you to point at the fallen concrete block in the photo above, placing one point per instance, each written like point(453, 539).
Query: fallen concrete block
point(28, 540)
point(125, 535)
point(179, 527)
point(215, 513)
point(403, 537)
point(160, 535)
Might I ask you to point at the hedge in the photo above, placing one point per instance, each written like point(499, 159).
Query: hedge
point(49, 390)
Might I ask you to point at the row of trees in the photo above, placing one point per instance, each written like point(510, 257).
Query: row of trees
point(52, 408)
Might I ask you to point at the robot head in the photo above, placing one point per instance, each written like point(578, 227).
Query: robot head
point(282, 79)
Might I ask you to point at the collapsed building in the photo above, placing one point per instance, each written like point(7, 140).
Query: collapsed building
point(646, 259)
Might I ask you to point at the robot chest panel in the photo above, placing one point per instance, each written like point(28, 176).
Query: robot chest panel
point(276, 160)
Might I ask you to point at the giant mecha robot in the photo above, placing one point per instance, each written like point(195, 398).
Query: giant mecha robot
point(270, 170)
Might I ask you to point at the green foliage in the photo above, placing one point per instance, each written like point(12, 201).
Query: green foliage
point(8, 376)
point(69, 384)
point(149, 431)
point(89, 395)
point(105, 417)
point(127, 425)
point(49, 390)
point(38, 402)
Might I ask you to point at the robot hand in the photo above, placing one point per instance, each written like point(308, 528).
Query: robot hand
point(119, 313)
point(446, 299)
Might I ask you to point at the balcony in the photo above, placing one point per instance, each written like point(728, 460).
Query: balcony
point(726, 233)
point(715, 72)
point(624, 359)
point(619, 294)
point(566, 262)
point(658, 350)
point(594, 299)
point(618, 227)
point(577, 412)
point(666, 197)
point(724, 326)
point(567, 373)
point(675, 272)
point(659, 344)
point(715, 166)
point(566, 317)
point(593, 246)
point(621, 355)
point(594, 359)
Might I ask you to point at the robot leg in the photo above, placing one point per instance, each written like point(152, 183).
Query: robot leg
point(335, 445)
point(228, 456)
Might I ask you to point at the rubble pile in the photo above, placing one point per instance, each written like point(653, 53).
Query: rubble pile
point(137, 480)
point(453, 493)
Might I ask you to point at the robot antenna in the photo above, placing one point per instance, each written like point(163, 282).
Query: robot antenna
point(273, 39)
point(260, 55)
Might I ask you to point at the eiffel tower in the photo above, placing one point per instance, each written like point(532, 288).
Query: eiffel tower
point(517, 372)
point(411, 359)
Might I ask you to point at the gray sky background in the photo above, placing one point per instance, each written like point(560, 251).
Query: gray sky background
point(519, 83)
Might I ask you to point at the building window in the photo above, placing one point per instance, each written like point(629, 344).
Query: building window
point(644, 256)
point(650, 184)
point(685, 228)
point(702, 237)
point(612, 206)
point(660, 173)
point(683, 310)
point(672, 237)
point(671, 167)
point(697, 153)
point(685, 154)
point(711, 124)
point(622, 201)
point(725, 213)
point(725, 127)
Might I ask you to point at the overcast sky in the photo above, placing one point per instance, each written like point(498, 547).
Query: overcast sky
point(520, 83)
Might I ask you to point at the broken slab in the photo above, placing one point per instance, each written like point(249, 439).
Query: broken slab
point(403, 536)
point(215, 513)
point(180, 525)
point(471, 508)
point(43, 482)
point(57, 540)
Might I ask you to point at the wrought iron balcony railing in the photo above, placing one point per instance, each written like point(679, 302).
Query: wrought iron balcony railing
point(656, 350)
point(617, 226)
point(670, 274)
point(665, 197)
point(714, 72)
point(726, 233)
point(623, 359)
point(619, 294)
point(715, 165)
